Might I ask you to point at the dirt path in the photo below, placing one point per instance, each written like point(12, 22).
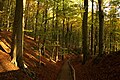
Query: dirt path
point(65, 73)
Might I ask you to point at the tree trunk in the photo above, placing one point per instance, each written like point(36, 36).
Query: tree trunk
point(92, 30)
point(53, 28)
point(101, 29)
point(63, 25)
point(85, 32)
point(36, 25)
point(26, 17)
point(96, 32)
point(1, 8)
point(18, 34)
point(67, 34)
point(96, 40)
point(110, 42)
point(53, 24)
point(57, 30)
point(45, 25)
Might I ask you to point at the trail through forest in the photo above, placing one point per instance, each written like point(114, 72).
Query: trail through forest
point(65, 73)
point(107, 68)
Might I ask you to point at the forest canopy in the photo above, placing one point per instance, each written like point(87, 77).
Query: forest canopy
point(67, 24)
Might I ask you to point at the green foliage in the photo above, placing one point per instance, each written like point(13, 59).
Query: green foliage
point(28, 31)
point(67, 14)
point(4, 28)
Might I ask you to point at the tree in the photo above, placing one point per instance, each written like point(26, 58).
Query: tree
point(36, 26)
point(101, 28)
point(56, 36)
point(96, 31)
point(92, 28)
point(45, 13)
point(85, 32)
point(17, 36)
point(1, 8)
point(9, 12)
point(63, 25)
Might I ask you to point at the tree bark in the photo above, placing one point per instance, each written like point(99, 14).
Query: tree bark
point(101, 28)
point(1, 8)
point(92, 30)
point(63, 25)
point(36, 25)
point(85, 32)
point(56, 36)
point(45, 25)
point(18, 35)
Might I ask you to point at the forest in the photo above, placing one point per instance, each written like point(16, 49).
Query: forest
point(60, 39)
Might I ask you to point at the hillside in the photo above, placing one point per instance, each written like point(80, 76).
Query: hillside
point(48, 70)
point(107, 69)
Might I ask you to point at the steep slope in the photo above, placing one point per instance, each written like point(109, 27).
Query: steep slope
point(48, 70)
point(107, 69)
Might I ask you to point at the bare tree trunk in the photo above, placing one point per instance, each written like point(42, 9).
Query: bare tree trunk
point(1, 8)
point(53, 28)
point(92, 30)
point(85, 32)
point(110, 42)
point(53, 23)
point(67, 33)
point(63, 32)
point(26, 17)
point(36, 25)
point(101, 28)
point(96, 40)
point(56, 36)
point(96, 32)
point(18, 34)
point(45, 25)
point(9, 12)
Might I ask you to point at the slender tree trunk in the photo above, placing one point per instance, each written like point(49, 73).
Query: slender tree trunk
point(53, 28)
point(26, 17)
point(105, 40)
point(92, 29)
point(9, 12)
point(45, 26)
point(101, 28)
point(63, 32)
point(70, 36)
point(96, 40)
point(56, 36)
point(36, 25)
point(96, 32)
point(67, 34)
point(1, 8)
point(53, 24)
point(110, 34)
point(110, 42)
point(85, 32)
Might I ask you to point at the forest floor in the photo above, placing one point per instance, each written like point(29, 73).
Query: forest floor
point(107, 69)
point(47, 70)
